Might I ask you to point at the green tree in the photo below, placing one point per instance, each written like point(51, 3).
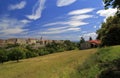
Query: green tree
point(82, 40)
point(29, 54)
point(44, 51)
point(3, 56)
point(113, 3)
point(90, 38)
point(110, 31)
point(16, 54)
point(69, 45)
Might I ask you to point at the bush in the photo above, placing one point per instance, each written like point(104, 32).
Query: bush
point(70, 45)
point(112, 70)
point(3, 56)
point(30, 54)
point(16, 54)
point(102, 62)
point(43, 51)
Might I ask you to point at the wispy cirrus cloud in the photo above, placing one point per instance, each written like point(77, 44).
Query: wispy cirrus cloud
point(68, 23)
point(107, 13)
point(25, 21)
point(75, 17)
point(37, 10)
point(20, 5)
point(12, 31)
point(79, 17)
point(11, 26)
point(73, 22)
point(81, 11)
point(59, 30)
point(61, 3)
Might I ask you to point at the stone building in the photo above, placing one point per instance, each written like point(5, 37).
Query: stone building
point(90, 44)
point(31, 41)
point(21, 41)
point(42, 41)
point(11, 41)
point(2, 42)
point(85, 45)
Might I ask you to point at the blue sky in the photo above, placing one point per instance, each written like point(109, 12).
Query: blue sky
point(52, 19)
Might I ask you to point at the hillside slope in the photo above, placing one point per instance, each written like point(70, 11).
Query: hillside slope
point(58, 65)
point(105, 63)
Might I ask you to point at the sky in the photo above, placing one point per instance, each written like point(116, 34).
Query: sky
point(52, 19)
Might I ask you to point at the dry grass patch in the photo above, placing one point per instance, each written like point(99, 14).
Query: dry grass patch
point(57, 65)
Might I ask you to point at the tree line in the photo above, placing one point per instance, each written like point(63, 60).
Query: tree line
point(17, 52)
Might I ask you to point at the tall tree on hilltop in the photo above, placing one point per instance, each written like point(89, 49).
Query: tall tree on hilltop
point(90, 38)
point(109, 34)
point(82, 40)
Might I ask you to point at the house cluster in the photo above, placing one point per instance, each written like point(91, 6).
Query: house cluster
point(90, 44)
point(29, 41)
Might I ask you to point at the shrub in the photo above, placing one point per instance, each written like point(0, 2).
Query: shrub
point(16, 54)
point(102, 62)
point(3, 56)
point(112, 70)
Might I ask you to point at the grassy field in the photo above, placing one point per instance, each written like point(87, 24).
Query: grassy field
point(98, 62)
point(58, 65)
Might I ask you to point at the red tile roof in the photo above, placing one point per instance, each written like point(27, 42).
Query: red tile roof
point(95, 41)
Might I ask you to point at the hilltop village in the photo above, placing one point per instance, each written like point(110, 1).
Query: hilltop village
point(27, 41)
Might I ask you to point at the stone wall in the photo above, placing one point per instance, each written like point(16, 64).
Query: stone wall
point(85, 45)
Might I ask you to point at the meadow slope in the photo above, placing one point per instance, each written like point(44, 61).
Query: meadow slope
point(57, 65)
point(105, 60)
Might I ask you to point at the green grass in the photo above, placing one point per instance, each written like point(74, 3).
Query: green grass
point(93, 66)
point(57, 65)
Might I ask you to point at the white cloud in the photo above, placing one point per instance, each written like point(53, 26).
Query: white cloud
point(59, 30)
point(86, 36)
point(25, 21)
point(20, 5)
point(107, 13)
point(37, 10)
point(10, 26)
point(61, 3)
point(95, 26)
point(75, 20)
point(100, 26)
point(79, 17)
point(12, 31)
point(81, 11)
point(76, 23)
point(52, 32)
point(71, 24)
point(56, 23)
point(74, 29)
